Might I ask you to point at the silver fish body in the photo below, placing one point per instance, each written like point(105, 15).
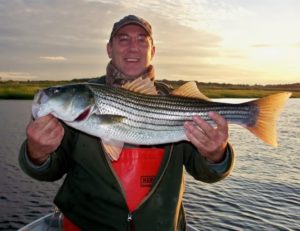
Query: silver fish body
point(119, 115)
point(148, 119)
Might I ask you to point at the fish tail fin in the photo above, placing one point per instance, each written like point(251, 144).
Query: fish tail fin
point(269, 108)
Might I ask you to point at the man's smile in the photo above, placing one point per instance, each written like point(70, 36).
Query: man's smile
point(132, 59)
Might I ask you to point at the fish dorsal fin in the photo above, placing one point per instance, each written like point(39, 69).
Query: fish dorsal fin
point(113, 149)
point(141, 85)
point(190, 90)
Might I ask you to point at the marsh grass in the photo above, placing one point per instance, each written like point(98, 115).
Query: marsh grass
point(26, 90)
point(18, 92)
point(23, 90)
point(242, 93)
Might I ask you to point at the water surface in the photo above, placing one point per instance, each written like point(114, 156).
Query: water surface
point(262, 193)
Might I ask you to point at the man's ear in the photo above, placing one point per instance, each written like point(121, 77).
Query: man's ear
point(109, 49)
point(152, 52)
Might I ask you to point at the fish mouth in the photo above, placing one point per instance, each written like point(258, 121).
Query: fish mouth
point(39, 98)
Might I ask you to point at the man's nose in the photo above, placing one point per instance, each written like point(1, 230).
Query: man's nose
point(133, 45)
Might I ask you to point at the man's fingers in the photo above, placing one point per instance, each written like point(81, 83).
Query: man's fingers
point(194, 133)
point(203, 126)
point(43, 120)
point(37, 126)
point(52, 125)
point(209, 140)
point(218, 119)
point(45, 131)
point(57, 133)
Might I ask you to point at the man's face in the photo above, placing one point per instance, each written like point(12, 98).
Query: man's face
point(131, 50)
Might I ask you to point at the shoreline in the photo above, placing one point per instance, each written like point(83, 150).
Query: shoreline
point(26, 90)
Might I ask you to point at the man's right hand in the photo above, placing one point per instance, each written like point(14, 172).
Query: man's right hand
point(44, 135)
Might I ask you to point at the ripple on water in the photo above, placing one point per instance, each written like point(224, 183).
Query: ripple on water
point(236, 204)
point(261, 194)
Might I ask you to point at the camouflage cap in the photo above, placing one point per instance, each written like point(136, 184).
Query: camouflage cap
point(131, 19)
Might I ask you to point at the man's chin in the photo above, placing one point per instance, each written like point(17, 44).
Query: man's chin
point(133, 74)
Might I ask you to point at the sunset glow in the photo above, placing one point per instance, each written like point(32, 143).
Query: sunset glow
point(229, 41)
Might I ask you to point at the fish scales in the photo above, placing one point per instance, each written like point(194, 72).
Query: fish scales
point(155, 113)
point(138, 135)
point(148, 111)
point(170, 104)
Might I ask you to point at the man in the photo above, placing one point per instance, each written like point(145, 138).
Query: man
point(143, 189)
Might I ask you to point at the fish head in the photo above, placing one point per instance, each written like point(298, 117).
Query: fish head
point(74, 102)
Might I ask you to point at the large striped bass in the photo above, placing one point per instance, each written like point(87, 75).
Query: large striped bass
point(135, 114)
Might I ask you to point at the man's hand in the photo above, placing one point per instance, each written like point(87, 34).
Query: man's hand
point(44, 135)
point(210, 141)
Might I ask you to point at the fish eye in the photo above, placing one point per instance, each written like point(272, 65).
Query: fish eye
point(54, 90)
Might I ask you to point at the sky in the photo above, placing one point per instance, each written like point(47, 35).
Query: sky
point(223, 41)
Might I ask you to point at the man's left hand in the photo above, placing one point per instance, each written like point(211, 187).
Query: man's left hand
point(210, 141)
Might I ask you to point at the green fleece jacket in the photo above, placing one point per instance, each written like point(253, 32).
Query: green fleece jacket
point(92, 197)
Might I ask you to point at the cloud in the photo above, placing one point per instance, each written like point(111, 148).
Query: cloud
point(73, 29)
point(262, 45)
point(54, 58)
point(67, 39)
point(76, 29)
point(296, 45)
point(275, 45)
point(195, 14)
point(16, 76)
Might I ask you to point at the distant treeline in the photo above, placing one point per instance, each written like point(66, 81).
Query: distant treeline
point(287, 87)
point(27, 89)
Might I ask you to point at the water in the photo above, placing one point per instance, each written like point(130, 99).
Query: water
point(262, 193)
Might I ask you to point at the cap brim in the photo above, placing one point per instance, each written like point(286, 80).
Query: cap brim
point(130, 23)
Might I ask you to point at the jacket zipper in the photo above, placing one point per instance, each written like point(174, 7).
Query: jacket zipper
point(158, 181)
point(130, 222)
point(113, 172)
point(130, 214)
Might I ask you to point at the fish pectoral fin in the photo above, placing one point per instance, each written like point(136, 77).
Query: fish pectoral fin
point(113, 149)
point(141, 85)
point(190, 90)
point(95, 110)
point(111, 119)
